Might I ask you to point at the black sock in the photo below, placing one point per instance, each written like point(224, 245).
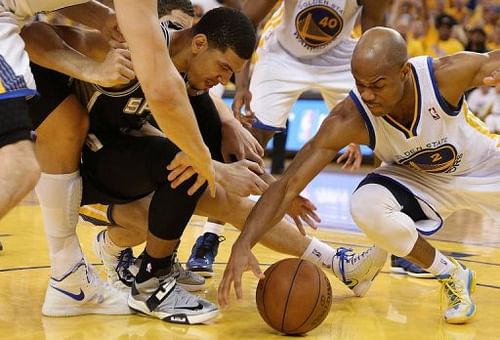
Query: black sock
point(153, 267)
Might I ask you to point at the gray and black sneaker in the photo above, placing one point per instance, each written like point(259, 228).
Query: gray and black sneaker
point(190, 281)
point(162, 298)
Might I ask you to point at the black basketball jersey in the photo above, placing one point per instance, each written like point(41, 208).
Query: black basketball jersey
point(116, 111)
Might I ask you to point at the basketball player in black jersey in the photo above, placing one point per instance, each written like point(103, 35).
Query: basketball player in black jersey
point(126, 158)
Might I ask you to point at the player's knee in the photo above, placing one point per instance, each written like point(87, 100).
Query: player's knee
point(378, 214)
point(366, 207)
point(27, 167)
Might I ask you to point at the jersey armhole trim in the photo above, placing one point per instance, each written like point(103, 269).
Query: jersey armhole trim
point(448, 108)
point(368, 123)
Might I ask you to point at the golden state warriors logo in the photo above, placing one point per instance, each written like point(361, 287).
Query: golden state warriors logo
point(318, 25)
point(438, 160)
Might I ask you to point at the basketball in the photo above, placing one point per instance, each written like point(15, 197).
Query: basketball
point(294, 297)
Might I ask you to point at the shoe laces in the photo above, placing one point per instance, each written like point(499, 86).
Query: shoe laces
point(208, 243)
point(453, 290)
point(125, 260)
point(346, 255)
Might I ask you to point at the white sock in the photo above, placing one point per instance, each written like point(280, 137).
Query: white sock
point(60, 196)
point(319, 253)
point(109, 246)
point(214, 228)
point(442, 265)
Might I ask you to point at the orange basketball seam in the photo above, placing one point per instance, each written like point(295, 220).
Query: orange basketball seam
point(265, 316)
point(317, 298)
point(288, 296)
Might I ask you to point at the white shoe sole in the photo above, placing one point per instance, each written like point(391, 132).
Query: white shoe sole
point(182, 318)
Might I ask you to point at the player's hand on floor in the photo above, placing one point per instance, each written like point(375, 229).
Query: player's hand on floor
point(352, 157)
point(239, 142)
point(241, 178)
point(242, 99)
point(181, 170)
point(493, 79)
point(115, 69)
point(303, 211)
point(241, 260)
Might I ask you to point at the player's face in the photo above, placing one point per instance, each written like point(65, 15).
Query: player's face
point(382, 89)
point(211, 66)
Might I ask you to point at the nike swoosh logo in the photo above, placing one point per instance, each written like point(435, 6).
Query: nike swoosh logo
point(77, 297)
point(194, 308)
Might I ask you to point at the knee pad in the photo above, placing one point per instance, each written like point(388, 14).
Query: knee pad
point(378, 213)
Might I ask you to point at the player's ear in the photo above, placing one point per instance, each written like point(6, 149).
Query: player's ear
point(405, 71)
point(199, 43)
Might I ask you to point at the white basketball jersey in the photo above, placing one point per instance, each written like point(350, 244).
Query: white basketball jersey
point(23, 9)
point(441, 140)
point(307, 28)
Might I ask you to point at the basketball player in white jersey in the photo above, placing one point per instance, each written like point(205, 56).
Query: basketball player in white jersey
point(305, 45)
point(438, 158)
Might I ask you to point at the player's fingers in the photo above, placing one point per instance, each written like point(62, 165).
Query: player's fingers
point(261, 184)
point(260, 150)
point(253, 156)
point(211, 187)
point(127, 72)
point(224, 289)
point(309, 221)
point(341, 158)
point(256, 269)
point(237, 286)
point(236, 107)
point(253, 166)
point(299, 225)
point(177, 171)
point(197, 184)
point(183, 177)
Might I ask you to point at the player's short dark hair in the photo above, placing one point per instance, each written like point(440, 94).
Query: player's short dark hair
point(228, 28)
point(167, 6)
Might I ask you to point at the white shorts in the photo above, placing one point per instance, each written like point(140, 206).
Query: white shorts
point(278, 80)
point(493, 123)
point(479, 190)
point(16, 79)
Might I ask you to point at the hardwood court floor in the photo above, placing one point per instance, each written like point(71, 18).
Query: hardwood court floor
point(396, 307)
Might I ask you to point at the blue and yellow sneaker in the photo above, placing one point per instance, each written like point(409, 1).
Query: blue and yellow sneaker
point(457, 289)
point(203, 254)
point(400, 265)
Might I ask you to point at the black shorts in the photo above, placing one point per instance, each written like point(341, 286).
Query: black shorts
point(53, 87)
point(126, 169)
point(15, 123)
point(129, 168)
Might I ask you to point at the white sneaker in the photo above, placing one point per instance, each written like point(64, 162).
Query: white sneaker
point(162, 298)
point(457, 289)
point(116, 267)
point(80, 292)
point(358, 271)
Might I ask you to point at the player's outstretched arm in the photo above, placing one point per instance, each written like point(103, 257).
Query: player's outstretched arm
point(462, 71)
point(163, 86)
point(79, 53)
point(373, 13)
point(96, 15)
point(343, 126)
